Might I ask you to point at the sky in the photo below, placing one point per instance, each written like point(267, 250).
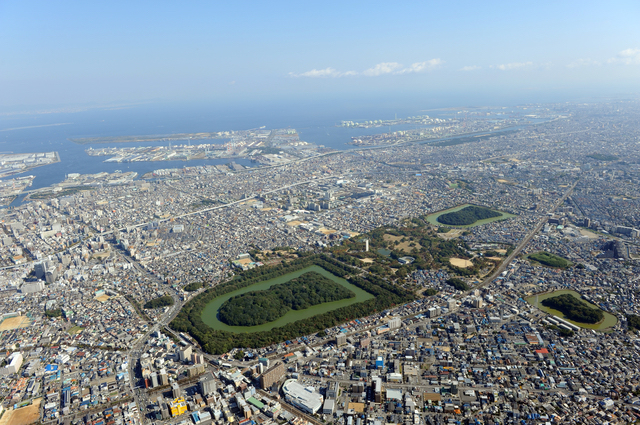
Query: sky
point(56, 54)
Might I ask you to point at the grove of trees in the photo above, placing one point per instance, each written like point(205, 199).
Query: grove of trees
point(550, 260)
point(163, 301)
point(603, 157)
point(467, 215)
point(574, 309)
point(193, 286)
point(459, 284)
point(217, 342)
point(258, 307)
point(633, 322)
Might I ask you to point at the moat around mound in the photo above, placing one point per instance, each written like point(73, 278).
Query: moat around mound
point(468, 215)
point(259, 307)
point(210, 312)
point(536, 300)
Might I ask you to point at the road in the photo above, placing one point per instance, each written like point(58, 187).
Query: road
point(516, 251)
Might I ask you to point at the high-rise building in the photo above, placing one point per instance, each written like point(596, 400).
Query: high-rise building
point(51, 276)
point(40, 269)
point(451, 304)
point(154, 380)
point(395, 323)
point(207, 384)
point(175, 390)
point(272, 375)
point(376, 385)
point(185, 353)
point(163, 378)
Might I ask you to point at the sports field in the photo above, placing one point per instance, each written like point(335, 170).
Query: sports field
point(460, 262)
point(23, 416)
point(12, 323)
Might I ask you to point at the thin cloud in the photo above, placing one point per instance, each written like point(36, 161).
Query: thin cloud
point(513, 65)
point(421, 66)
point(470, 68)
point(319, 73)
point(383, 68)
point(627, 57)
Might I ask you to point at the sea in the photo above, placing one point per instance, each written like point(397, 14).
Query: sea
point(46, 130)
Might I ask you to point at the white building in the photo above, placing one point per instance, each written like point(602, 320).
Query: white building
point(306, 399)
point(14, 363)
point(395, 323)
point(31, 287)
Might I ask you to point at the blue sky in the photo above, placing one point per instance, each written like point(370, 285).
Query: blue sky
point(63, 53)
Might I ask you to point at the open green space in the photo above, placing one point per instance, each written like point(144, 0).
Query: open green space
point(390, 246)
point(300, 293)
point(574, 308)
point(496, 216)
point(550, 260)
point(609, 320)
point(467, 216)
point(199, 316)
point(74, 330)
point(377, 277)
point(387, 245)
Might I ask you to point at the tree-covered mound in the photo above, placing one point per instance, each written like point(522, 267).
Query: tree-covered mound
point(467, 215)
point(550, 260)
point(258, 307)
point(603, 157)
point(574, 309)
point(214, 341)
point(633, 322)
point(163, 301)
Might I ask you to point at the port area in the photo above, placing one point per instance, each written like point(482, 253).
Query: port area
point(267, 147)
point(75, 182)
point(11, 188)
point(16, 163)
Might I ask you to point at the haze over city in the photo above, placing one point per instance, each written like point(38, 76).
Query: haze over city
point(352, 213)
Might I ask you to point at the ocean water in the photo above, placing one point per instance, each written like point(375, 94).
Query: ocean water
point(316, 122)
point(45, 132)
